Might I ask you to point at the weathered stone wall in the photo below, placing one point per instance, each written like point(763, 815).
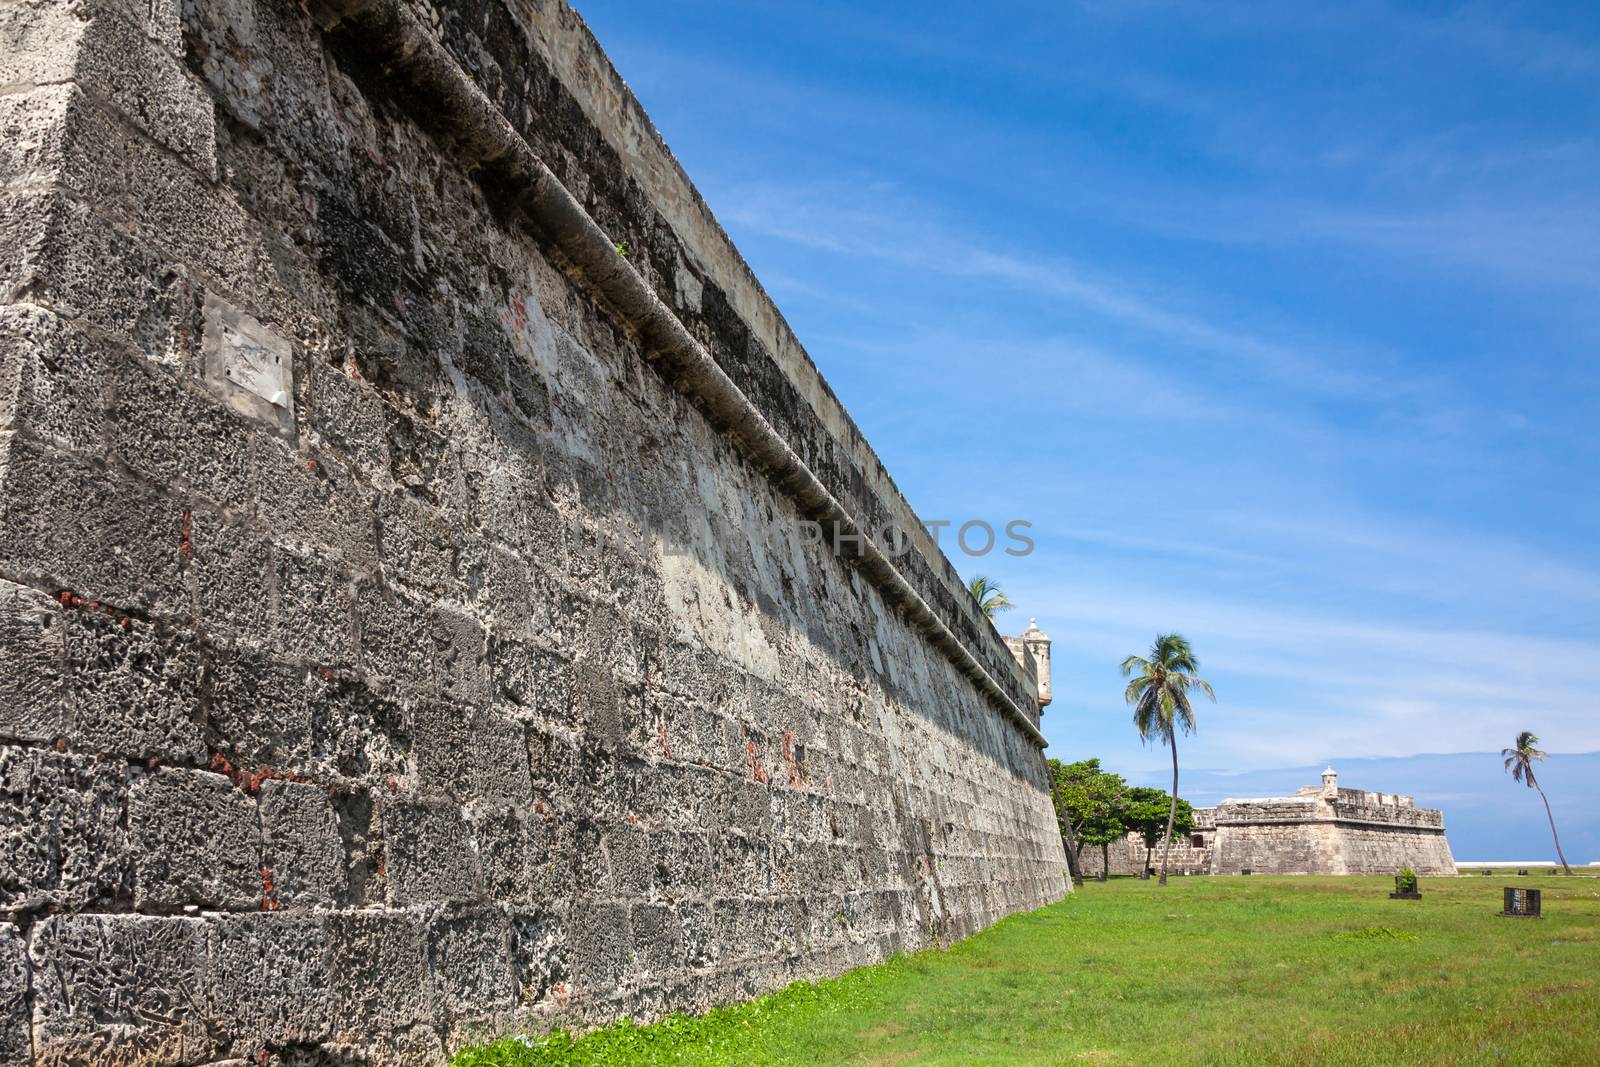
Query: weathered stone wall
point(393, 650)
point(1289, 847)
point(1327, 830)
point(1385, 850)
point(1343, 831)
point(1128, 854)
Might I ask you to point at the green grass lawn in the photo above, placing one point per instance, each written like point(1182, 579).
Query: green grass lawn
point(1208, 970)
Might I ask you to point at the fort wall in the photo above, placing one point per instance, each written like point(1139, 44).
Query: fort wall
point(1323, 829)
point(409, 623)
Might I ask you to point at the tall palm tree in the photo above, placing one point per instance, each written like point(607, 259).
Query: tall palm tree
point(992, 600)
point(1519, 761)
point(1159, 693)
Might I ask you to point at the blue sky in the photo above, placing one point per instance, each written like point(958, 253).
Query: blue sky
point(1278, 322)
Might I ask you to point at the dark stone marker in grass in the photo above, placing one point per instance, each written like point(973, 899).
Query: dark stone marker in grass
point(1244, 870)
point(1521, 903)
point(1406, 887)
point(1523, 872)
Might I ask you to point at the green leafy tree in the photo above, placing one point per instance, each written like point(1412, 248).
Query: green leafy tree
point(1159, 691)
point(1089, 804)
point(1520, 759)
point(1144, 813)
point(992, 600)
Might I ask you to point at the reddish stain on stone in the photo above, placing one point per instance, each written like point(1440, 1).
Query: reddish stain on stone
point(757, 772)
point(790, 764)
point(269, 892)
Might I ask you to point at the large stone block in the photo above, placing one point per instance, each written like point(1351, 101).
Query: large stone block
point(597, 700)
point(359, 735)
point(540, 954)
point(395, 644)
point(120, 991)
point(555, 762)
point(337, 409)
point(470, 951)
point(631, 858)
point(513, 500)
point(554, 860)
point(313, 501)
point(535, 682)
point(108, 49)
point(461, 657)
point(272, 716)
point(144, 189)
point(313, 620)
point(167, 430)
point(303, 848)
point(698, 934)
point(377, 965)
point(62, 840)
point(232, 568)
point(60, 516)
point(33, 650)
point(260, 710)
point(657, 939)
point(501, 834)
point(16, 1038)
point(601, 941)
point(63, 256)
point(512, 595)
point(133, 688)
point(429, 854)
point(40, 43)
point(471, 754)
point(197, 841)
point(417, 543)
point(52, 379)
point(268, 979)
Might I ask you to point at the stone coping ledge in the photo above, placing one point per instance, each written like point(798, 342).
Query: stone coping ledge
point(1387, 825)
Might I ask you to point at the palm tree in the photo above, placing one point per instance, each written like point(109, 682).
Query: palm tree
point(1519, 761)
point(1159, 694)
point(992, 600)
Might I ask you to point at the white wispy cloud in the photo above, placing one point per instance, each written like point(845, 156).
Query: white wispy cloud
point(1306, 683)
point(871, 220)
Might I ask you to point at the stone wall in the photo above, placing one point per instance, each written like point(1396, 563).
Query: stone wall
point(1384, 850)
point(1275, 848)
point(1330, 830)
point(1129, 855)
point(1319, 830)
point(408, 633)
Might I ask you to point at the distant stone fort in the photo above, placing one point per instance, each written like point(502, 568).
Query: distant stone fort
point(1322, 829)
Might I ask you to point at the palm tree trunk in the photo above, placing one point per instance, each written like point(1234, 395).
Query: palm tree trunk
point(1172, 812)
point(1552, 818)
